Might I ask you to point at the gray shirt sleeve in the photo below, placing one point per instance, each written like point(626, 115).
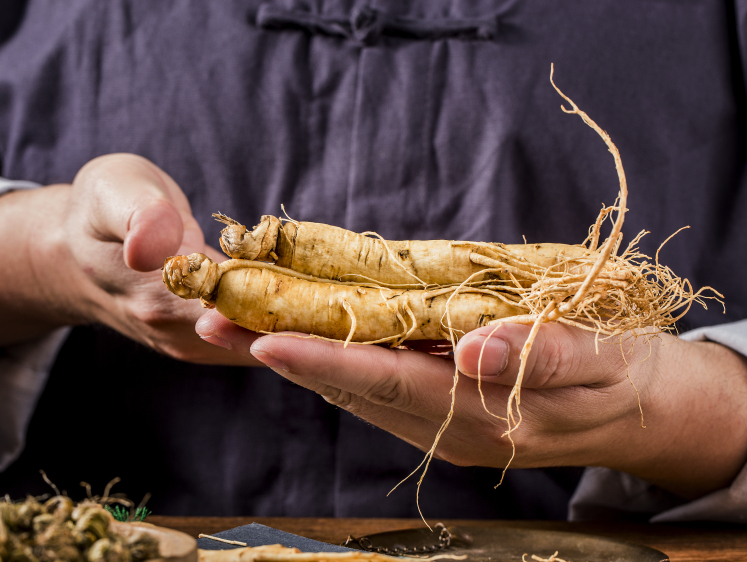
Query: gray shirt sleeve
point(605, 494)
point(23, 373)
point(7, 185)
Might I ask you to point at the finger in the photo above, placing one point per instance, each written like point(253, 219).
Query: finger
point(468, 430)
point(386, 377)
point(155, 232)
point(130, 200)
point(405, 392)
point(413, 429)
point(215, 329)
point(560, 356)
point(219, 331)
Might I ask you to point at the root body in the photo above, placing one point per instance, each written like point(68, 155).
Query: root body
point(328, 252)
point(265, 301)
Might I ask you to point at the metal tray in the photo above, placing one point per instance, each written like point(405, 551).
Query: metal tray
point(504, 545)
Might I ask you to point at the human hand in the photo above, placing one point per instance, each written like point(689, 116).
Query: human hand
point(99, 255)
point(578, 408)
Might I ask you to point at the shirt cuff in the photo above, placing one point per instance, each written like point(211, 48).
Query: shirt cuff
point(7, 185)
point(605, 494)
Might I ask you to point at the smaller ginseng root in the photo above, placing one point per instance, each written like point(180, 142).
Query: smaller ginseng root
point(343, 286)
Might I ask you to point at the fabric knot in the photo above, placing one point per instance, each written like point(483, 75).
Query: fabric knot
point(366, 25)
point(487, 29)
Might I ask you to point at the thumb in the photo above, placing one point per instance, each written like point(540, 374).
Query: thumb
point(130, 200)
point(155, 232)
point(560, 356)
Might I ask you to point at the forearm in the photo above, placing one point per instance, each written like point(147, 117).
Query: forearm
point(34, 278)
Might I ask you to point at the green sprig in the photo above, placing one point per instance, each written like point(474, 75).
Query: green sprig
point(121, 514)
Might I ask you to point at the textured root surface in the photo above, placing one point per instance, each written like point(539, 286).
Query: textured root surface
point(191, 276)
point(278, 553)
point(328, 252)
point(238, 242)
point(266, 301)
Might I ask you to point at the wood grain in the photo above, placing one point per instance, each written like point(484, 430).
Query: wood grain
point(683, 543)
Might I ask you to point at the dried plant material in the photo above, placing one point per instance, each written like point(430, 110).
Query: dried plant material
point(624, 296)
point(211, 537)
point(57, 530)
point(552, 558)
point(279, 553)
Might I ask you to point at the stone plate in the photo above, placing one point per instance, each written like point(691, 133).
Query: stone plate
point(504, 545)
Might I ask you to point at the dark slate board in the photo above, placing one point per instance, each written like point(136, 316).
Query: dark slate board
point(259, 535)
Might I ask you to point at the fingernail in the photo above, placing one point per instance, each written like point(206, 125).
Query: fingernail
point(494, 357)
point(272, 362)
point(217, 340)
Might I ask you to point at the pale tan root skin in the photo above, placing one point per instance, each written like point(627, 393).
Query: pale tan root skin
point(265, 301)
point(330, 252)
point(279, 553)
point(238, 242)
point(190, 277)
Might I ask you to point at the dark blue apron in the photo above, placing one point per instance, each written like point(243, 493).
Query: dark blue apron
point(416, 119)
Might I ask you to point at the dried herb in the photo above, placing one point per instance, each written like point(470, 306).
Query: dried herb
point(59, 530)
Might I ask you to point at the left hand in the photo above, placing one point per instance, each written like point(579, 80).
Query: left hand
point(578, 408)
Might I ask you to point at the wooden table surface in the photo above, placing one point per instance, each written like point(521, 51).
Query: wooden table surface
point(687, 542)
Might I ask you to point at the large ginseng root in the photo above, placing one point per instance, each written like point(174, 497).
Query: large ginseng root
point(265, 299)
point(329, 252)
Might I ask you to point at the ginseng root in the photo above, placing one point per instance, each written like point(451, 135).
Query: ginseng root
point(329, 252)
point(263, 298)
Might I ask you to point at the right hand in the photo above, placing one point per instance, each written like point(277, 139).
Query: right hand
point(98, 259)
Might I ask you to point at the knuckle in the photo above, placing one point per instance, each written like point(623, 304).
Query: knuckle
point(95, 166)
point(554, 358)
point(155, 313)
point(390, 388)
point(93, 171)
point(337, 397)
point(387, 392)
point(155, 317)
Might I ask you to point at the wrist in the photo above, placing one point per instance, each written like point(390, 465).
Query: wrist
point(695, 441)
point(38, 289)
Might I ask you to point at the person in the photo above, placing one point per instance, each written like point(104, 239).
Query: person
point(416, 120)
